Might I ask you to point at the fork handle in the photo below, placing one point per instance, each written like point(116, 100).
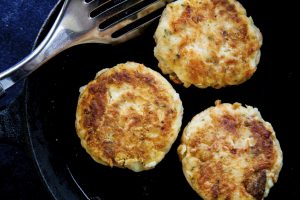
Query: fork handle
point(56, 41)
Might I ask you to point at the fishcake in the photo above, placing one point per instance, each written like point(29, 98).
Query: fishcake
point(128, 117)
point(207, 43)
point(230, 152)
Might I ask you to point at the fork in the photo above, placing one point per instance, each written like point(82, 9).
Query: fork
point(86, 21)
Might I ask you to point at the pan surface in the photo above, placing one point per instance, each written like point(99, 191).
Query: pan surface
point(70, 173)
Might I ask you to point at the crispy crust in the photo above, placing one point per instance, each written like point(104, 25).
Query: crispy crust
point(128, 117)
point(230, 152)
point(207, 43)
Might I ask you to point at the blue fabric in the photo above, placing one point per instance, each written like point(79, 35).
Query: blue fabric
point(20, 21)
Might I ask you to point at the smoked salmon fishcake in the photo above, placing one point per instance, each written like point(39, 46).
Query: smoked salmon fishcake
point(207, 43)
point(128, 117)
point(229, 152)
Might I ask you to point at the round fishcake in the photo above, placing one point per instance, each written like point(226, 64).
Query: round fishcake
point(207, 43)
point(128, 117)
point(230, 152)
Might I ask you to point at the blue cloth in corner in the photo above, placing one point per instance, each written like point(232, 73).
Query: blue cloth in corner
point(20, 21)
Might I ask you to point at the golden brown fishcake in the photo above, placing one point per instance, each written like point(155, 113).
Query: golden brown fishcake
point(128, 117)
point(207, 43)
point(230, 152)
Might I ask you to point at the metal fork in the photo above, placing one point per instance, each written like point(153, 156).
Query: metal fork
point(84, 21)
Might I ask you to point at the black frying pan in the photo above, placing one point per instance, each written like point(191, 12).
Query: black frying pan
point(68, 171)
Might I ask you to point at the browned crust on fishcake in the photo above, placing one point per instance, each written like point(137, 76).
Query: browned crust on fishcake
point(212, 69)
point(230, 154)
point(113, 136)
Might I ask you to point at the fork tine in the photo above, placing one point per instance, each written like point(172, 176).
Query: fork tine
point(133, 33)
point(91, 5)
point(110, 8)
point(127, 18)
point(88, 1)
point(133, 17)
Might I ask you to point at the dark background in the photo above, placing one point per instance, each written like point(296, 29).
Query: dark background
point(21, 21)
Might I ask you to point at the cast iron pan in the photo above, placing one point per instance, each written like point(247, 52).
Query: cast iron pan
point(68, 171)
